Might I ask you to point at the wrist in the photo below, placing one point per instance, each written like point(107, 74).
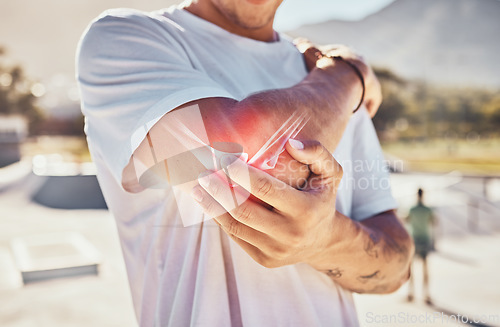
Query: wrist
point(358, 72)
point(343, 80)
point(331, 250)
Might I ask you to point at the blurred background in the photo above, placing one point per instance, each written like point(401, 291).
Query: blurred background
point(439, 125)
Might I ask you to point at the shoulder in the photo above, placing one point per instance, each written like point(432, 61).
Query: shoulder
point(116, 25)
point(124, 32)
point(428, 209)
point(109, 24)
point(127, 15)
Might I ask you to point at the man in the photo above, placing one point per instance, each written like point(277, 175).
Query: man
point(421, 219)
point(284, 257)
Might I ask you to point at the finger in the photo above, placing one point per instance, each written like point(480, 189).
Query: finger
point(209, 205)
point(311, 53)
point(302, 44)
point(263, 186)
point(222, 191)
point(248, 213)
point(338, 50)
point(254, 252)
point(319, 159)
point(224, 219)
point(374, 96)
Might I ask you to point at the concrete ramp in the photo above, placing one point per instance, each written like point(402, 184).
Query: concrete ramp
point(70, 192)
point(65, 185)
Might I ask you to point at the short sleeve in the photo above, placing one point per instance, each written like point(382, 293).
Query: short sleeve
point(131, 71)
point(371, 189)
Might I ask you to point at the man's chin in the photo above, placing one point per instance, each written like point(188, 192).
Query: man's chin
point(258, 2)
point(253, 24)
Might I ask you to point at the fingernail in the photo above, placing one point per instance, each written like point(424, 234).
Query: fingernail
point(196, 194)
point(204, 179)
point(297, 145)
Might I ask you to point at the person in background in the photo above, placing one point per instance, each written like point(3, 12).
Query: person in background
point(421, 219)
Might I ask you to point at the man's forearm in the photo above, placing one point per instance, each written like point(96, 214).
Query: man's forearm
point(369, 257)
point(327, 95)
point(327, 98)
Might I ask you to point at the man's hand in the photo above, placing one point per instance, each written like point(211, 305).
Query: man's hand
point(294, 225)
point(314, 58)
point(289, 226)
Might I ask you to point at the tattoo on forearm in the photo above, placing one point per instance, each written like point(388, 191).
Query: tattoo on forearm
point(367, 278)
point(370, 245)
point(389, 249)
point(334, 273)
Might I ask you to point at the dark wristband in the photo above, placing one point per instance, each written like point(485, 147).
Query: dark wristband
point(358, 72)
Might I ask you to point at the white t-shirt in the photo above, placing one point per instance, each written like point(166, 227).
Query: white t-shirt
point(134, 67)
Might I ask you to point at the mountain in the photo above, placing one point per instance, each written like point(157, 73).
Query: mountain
point(449, 42)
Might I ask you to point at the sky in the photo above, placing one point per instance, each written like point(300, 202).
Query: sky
point(294, 13)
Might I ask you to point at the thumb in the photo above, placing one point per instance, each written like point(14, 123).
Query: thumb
point(310, 52)
point(319, 159)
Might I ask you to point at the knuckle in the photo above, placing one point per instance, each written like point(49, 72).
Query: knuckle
point(217, 190)
point(316, 148)
point(235, 168)
point(338, 177)
point(243, 212)
point(310, 50)
point(263, 186)
point(260, 258)
point(267, 262)
point(208, 205)
point(338, 169)
point(233, 227)
point(320, 154)
point(280, 254)
point(297, 236)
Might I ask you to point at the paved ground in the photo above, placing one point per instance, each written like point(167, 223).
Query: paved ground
point(464, 276)
point(464, 271)
point(102, 300)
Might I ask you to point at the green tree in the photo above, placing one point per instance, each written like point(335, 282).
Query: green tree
point(15, 93)
point(429, 111)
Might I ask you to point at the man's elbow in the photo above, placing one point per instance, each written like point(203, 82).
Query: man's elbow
point(397, 271)
point(386, 286)
point(402, 267)
point(409, 247)
point(397, 283)
point(402, 245)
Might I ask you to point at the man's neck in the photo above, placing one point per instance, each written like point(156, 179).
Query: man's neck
point(209, 12)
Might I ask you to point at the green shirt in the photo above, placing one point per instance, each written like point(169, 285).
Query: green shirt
point(421, 218)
